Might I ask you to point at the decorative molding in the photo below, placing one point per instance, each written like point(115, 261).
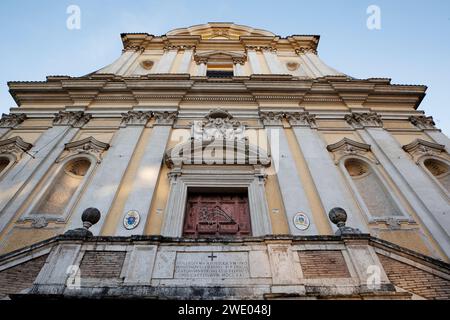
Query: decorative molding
point(39, 222)
point(419, 148)
point(12, 120)
point(165, 117)
point(200, 60)
point(292, 65)
point(300, 51)
point(239, 60)
point(423, 122)
point(147, 64)
point(302, 119)
point(349, 147)
point(178, 47)
point(236, 57)
point(365, 119)
point(88, 145)
point(133, 48)
point(14, 146)
point(261, 48)
point(135, 118)
point(216, 152)
point(75, 119)
point(218, 124)
point(271, 118)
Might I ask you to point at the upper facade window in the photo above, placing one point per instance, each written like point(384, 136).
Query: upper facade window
point(440, 171)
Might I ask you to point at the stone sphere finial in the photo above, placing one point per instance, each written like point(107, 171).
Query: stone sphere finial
point(90, 217)
point(339, 217)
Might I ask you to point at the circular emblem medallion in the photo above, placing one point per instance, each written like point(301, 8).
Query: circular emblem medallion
point(301, 221)
point(131, 219)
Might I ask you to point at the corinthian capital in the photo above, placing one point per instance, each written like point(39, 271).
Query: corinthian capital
point(271, 118)
point(165, 117)
point(366, 119)
point(12, 120)
point(303, 119)
point(71, 118)
point(423, 122)
point(136, 118)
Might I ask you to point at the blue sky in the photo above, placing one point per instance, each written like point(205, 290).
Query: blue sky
point(412, 47)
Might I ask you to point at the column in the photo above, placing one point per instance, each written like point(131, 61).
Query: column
point(416, 186)
point(238, 64)
point(201, 66)
point(186, 61)
point(105, 183)
point(253, 59)
point(273, 63)
point(165, 63)
point(23, 178)
point(292, 191)
point(144, 184)
point(332, 189)
point(117, 65)
point(127, 64)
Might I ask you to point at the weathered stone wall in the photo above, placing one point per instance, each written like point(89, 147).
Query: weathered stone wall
point(102, 264)
point(20, 277)
point(323, 264)
point(415, 280)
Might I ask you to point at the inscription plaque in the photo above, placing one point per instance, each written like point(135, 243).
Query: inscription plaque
point(224, 265)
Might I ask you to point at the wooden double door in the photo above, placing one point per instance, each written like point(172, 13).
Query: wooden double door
point(216, 215)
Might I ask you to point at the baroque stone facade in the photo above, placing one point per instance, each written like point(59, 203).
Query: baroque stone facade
point(215, 154)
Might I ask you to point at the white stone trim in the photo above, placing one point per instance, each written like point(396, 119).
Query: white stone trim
point(216, 177)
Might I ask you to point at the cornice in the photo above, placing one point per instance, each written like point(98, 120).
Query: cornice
point(180, 87)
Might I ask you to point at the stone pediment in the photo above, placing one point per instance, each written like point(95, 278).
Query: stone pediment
point(419, 148)
point(346, 147)
point(220, 56)
point(14, 146)
point(216, 152)
point(88, 145)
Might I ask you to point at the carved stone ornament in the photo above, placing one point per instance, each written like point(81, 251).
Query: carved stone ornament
point(365, 119)
point(347, 147)
point(71, 118)
point(271, 118)
point(12, 120)
point(14, 146)
point(39, 222)
point(292, 65)
point(215, 152)
point(423, 122)
point(236, 57)
point(303, 119)
point(165, 117)
point(218, 124)
point(302, 50)
point(88, 145)
point(136, 118)
point(419, 148)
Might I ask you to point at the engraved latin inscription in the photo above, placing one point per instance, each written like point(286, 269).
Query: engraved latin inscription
point(212, 265)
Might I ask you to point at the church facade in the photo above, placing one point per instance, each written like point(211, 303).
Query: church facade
point(222, 161)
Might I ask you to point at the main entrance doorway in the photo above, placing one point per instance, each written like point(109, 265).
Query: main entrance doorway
point(217, 214)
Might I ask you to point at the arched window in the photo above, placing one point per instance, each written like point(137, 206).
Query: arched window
point(371, 190)
point(440, 170)
point(4, 163)
point(63, 187)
